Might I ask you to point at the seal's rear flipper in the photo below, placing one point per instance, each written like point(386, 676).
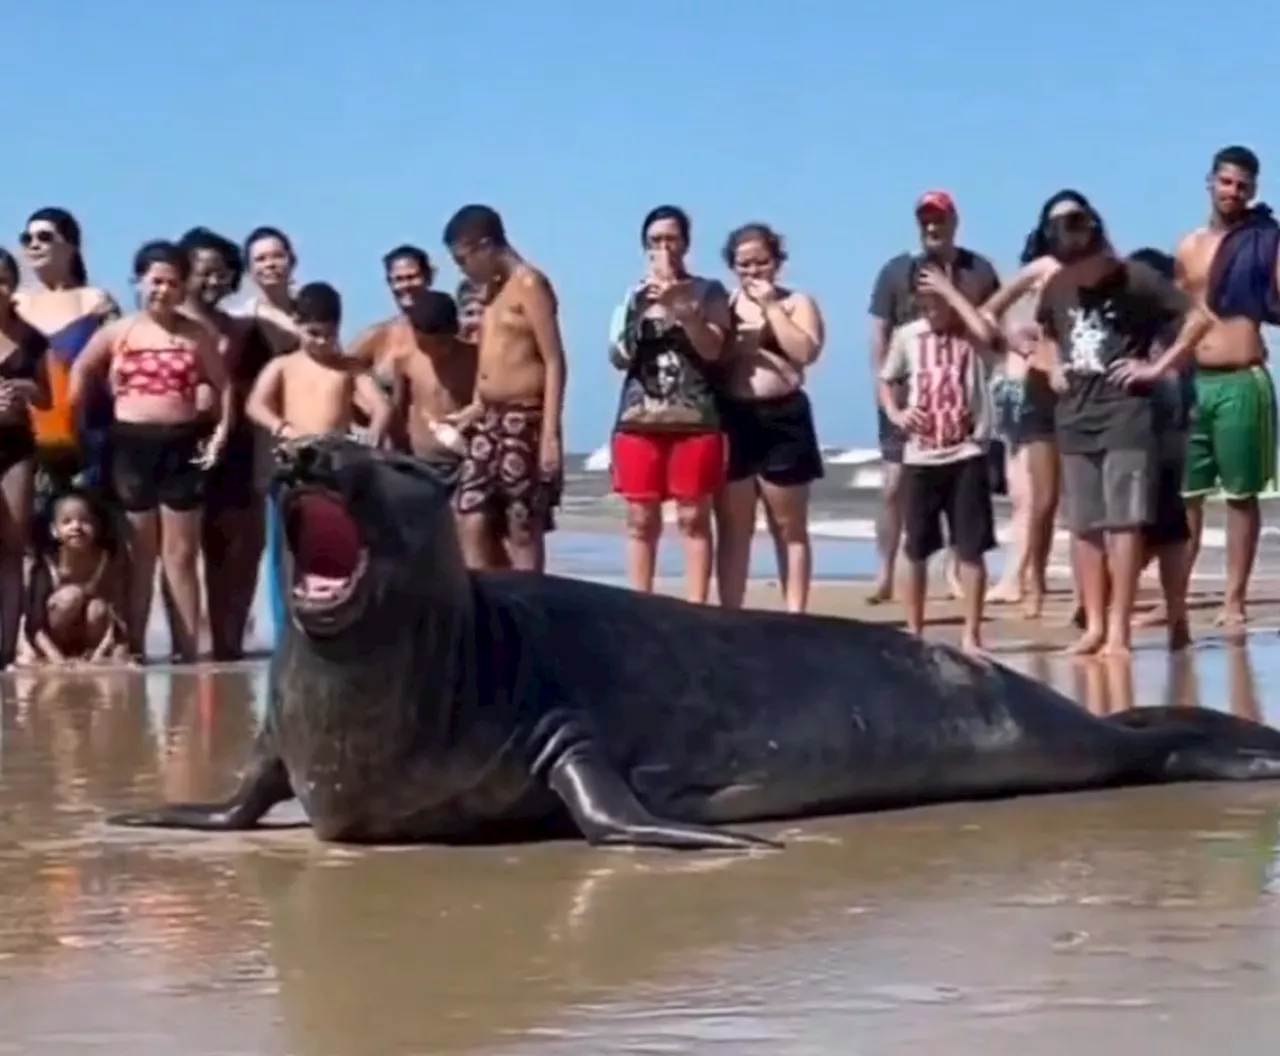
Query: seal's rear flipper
point(1218, 746)
point(608, 813)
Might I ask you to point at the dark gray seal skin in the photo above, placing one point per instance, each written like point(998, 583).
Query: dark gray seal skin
point(419, 702)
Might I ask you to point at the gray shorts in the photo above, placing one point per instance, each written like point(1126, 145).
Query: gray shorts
point(1110, 490)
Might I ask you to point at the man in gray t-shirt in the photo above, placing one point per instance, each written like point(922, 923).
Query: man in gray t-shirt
point(895, 300)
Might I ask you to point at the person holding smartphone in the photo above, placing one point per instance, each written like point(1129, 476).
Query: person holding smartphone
point(668, 444)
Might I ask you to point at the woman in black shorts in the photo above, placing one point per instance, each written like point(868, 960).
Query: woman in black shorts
point(766, 416)
point(234, 512)
point(155, 361)
point(24, 383)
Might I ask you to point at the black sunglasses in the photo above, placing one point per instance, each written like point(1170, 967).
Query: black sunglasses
point(43, 237)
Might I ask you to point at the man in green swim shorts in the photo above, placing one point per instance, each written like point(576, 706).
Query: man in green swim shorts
point(1232, 442)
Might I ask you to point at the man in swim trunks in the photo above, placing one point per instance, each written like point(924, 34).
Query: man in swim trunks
point(514, 461)
point(1232, 443)
point(894, 303)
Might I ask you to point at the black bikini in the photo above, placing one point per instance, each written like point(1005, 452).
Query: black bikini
point(18, 438)
point(773, 437)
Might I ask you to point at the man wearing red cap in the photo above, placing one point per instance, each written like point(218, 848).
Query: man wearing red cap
point(894, 303)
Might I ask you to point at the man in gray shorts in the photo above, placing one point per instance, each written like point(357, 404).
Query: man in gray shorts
point(1102, 316)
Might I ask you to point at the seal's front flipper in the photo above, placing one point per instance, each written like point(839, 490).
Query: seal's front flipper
point(264, 784)
point(608, 813)
point(1212, 746)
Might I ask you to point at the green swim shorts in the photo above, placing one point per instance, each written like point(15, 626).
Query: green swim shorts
point(1232, 441)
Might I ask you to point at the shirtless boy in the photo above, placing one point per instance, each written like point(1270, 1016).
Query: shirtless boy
point(315, 389)
point(1232, 442)
point(514, 461)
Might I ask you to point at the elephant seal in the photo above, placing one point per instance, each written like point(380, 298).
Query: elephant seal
point(415, 701)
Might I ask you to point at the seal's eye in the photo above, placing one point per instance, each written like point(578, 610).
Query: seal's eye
point(328, 554)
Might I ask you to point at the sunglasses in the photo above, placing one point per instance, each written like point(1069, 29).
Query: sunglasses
point(43, 237)
point(1074, 221)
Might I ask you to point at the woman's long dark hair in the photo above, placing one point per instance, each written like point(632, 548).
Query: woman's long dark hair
point(68, 228)
point(1037, 243)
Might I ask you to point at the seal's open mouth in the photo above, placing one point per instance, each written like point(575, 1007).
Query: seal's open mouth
point(329, 557)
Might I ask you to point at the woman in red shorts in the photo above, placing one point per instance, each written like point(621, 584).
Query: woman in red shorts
point(667, 442)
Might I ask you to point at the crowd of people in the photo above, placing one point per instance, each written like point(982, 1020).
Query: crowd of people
point(1130, 386)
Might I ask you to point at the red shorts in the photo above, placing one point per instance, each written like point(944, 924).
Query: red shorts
point(654, 467)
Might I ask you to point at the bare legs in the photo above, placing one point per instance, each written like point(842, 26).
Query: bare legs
point(973, 588)
point(15, 520)
point(1244, 526)
point(644, 530)
point(172, 539)
point(735, 516)
point(888, 532)
point(1009, 590)
point(233, 543)
point(1042, 474)
point(787, 514)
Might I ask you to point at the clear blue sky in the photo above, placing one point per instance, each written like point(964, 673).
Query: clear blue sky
point(358, 126)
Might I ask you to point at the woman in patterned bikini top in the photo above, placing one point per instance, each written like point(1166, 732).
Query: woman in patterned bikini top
point(155, 361)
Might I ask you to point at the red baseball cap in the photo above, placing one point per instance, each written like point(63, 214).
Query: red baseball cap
point(937, 200)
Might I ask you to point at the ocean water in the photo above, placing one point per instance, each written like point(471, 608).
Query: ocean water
point(602, 555)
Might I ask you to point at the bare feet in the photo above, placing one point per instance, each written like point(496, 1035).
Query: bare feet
point(1156, 616)
point(882, 592)
point(1076, 619)
point(971, 646)
point(1179, 635)
point(1004, 594)
point(1231, 619)
point(1033, 609)
point(1086, 645)
point(1118, 649)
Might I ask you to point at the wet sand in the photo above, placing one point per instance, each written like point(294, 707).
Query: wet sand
point(1004, 625)
point(1137, 920)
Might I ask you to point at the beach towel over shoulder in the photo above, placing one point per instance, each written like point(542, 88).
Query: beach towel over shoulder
point(1242, 277)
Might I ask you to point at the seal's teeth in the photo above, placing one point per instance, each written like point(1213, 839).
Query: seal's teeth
point(320, 588)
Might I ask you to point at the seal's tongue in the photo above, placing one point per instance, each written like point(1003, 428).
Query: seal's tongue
point(325, 545)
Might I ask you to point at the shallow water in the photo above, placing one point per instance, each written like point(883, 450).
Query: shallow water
point(1142, 920)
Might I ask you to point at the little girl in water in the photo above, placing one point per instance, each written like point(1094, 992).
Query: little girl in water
point(75, 591)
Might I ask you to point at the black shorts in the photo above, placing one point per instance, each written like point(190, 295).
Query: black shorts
point(153, 465)
point(960, 494)
point(773, 439)
point(1169, 525)
point(232, 482)
point(17, 445)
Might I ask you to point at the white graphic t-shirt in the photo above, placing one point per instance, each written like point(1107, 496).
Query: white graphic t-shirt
point(946, 381)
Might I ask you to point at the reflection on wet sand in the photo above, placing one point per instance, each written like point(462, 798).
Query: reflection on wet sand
point(966, 925)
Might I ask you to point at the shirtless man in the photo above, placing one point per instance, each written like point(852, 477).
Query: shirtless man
point(408, 272)
point(315, 389)
point(437, 372)
point(514, 461)
point(1233, 427)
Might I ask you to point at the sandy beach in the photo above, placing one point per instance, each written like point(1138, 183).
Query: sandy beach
point(1006, 630)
